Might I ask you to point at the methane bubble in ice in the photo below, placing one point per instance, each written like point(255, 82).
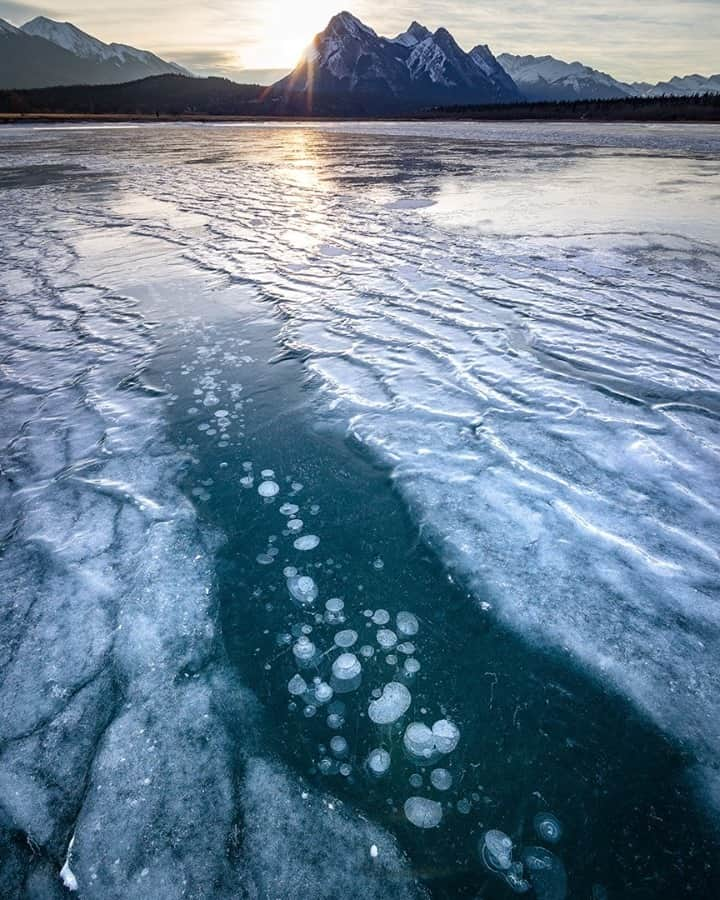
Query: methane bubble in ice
point(289, 571)
point(496, 850)
point(407, 624)
point(367, 651)
point(325, 766)
point(289, 509)
point(339, 746)
point(411, 667)
point(297, 686)
point(304, 651)
point(419, 743)
point(381, 617)
point(392, 704)
point(548, 828)
point(346, 638)
point(323, 692)
point(295, 525)
point(378, 762)
point(345, 769)
point(386, 638)
point(303, 589)
point(407, 647)
point(335, 721)
point(268, 489)
point(423, 813)
point(515, 880)
point(441, 779)
point(546, 873)
point(447, 735)
point(266, 473)
point(306, 542)
point(346, 673)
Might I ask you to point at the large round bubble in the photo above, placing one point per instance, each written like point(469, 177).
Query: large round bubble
point(297, 686)
point(447, 735)
point(441, 779)
point(306, 542)
point(386, 638)
point(419, 743)
point(496, 850)
point(303, 589)
point(393, 703)
point(547, 828)
point(407, 624)
point(346, 638)
point(304, 650)
point(378, 762)
point(346, 673)
point(423, 813)
point(268, 489)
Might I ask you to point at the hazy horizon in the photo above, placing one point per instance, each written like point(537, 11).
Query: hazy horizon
point(261, 41)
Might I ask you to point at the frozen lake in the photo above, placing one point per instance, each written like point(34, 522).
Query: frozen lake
point(359, 500)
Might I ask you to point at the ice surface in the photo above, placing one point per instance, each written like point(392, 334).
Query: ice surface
point(121, 723)
point(539, 371)
point(314, 848)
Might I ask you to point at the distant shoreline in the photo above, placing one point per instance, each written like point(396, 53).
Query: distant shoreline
point(168, 99)
point(10, 119)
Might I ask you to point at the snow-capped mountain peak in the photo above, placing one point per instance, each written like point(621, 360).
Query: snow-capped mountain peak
point(85, 46)
point(349, 66)
point(682, 86)
point(414, 35)
point(548, 78)
point(7, 28)
point(348, 23)
point(67, 36)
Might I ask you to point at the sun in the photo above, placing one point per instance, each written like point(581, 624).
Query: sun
point(288, 28)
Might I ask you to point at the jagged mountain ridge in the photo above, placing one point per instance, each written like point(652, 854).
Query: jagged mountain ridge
point(350, 64)
point(45, 53)
point(548, 78)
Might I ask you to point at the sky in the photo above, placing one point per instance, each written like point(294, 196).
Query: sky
point(634, 40)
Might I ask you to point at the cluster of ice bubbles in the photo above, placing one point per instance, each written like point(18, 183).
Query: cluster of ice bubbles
point(330, 671)
point(334, 667)
point(528, 868)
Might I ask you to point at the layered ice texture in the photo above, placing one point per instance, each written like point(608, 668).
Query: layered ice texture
point(523, 324)
point(133, 764)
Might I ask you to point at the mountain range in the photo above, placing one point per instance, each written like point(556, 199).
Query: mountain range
point(349, 63)
point(347, 69)
point(45, 53)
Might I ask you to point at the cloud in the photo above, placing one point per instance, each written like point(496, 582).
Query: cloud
point(631, 39)
point(20, 13)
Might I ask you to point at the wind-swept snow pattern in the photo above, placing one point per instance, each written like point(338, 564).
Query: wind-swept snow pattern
point(244, 640)
point(128, 749)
